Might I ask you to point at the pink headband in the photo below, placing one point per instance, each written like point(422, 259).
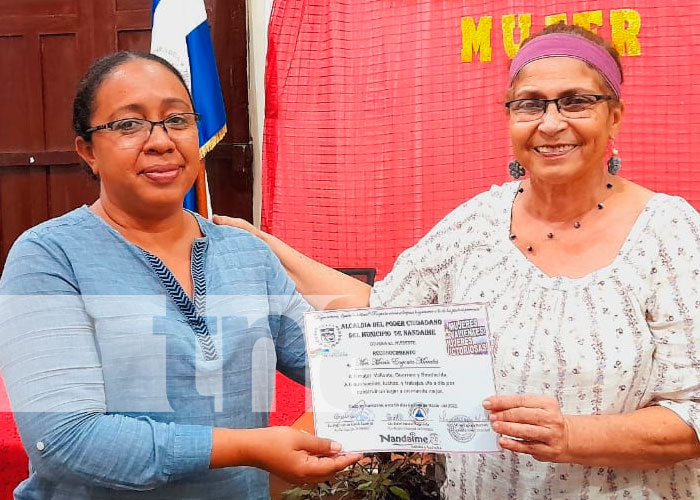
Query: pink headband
point(568, 45)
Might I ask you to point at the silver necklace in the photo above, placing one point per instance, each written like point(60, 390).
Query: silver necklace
point(550, 235)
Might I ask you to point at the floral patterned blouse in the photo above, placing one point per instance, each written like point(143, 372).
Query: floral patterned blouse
point(621, 338)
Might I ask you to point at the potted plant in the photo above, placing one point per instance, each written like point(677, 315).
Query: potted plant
point(380, 476)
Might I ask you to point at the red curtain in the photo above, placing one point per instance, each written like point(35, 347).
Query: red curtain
point(377, 125)
point(13, 461)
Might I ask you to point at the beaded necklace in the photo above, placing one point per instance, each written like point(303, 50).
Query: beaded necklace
point(576, 224)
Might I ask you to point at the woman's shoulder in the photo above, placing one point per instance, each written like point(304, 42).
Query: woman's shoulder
point(667, 228)
point(76, 218)
point(69, 228)
point(499, 196)
point(232, 242)
point(231, 235)
point(240, 257)
point(476, 224)
point(45, 250)
point(486, 210)
point(656, 202)
point(669, 212)
point(670, 204)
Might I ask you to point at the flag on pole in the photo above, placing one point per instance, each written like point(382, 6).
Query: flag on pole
point(181, 35)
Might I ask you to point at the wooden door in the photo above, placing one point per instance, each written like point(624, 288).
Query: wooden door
point(45, 46)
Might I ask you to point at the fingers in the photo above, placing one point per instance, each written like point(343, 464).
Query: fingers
point(220, 219)
point(324, 455)
point(530, 424)
point(500, 403)
point(339, 462)
point(328, 466)
point(299, 457)
point(525, 422)
point(522, 416)
point(538, 450)
point(230, 221)
point(523, 431)
point(318, 446)
point(319, 469)
point(239, 224)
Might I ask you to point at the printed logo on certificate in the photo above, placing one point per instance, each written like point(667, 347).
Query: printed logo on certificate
point(402, 379)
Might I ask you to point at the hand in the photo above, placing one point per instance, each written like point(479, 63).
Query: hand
point(239, 223)
point(296, 456)
point(536, 423)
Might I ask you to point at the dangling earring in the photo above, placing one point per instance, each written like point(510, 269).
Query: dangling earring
point(516, 169)
point(614, 163)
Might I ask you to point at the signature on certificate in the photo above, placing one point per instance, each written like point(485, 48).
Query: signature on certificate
point(357, 412)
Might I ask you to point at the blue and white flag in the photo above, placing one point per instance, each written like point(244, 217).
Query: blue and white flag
point(181, 35)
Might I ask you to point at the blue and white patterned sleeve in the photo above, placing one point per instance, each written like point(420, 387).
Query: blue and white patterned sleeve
point(52, 370)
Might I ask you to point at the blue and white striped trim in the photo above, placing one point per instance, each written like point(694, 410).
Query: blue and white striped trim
point(193, 311)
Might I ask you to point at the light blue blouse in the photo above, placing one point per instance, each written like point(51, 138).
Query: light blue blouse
point(117, 377)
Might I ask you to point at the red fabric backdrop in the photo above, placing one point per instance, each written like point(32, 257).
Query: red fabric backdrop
point(13, 460)
point(377, 125)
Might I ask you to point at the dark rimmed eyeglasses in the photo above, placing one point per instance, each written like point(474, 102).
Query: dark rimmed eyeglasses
point(174, 125)
point(570, 106)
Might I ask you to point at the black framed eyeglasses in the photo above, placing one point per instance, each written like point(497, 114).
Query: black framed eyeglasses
point(174, 125)
point(570, 106)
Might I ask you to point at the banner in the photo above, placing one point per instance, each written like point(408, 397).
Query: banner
point(384, 115)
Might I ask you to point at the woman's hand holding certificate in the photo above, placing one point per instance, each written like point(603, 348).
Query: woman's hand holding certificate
point(402, 379)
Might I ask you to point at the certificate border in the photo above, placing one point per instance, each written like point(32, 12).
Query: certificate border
point(472, 305)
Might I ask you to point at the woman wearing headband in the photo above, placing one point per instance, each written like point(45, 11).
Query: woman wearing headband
point(593, 289)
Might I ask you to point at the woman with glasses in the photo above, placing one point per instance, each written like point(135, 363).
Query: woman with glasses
point(138, 341)
point(593, 289)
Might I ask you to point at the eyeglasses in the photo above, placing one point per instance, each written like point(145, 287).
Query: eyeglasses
point(138, 130)
point(570, 106)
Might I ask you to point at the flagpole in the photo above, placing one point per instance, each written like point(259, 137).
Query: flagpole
point(200, 186)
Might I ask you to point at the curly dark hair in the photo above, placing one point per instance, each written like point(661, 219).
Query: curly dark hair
point(84, 102)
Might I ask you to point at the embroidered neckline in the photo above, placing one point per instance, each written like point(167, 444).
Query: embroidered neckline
point(193, 309)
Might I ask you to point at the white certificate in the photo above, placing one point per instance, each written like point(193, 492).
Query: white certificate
point(402, 379)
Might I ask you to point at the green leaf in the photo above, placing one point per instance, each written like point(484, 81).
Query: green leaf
point(390, 469)
point(297, 494)
point(364, 486)
point(364, 477)
point(400, 492)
